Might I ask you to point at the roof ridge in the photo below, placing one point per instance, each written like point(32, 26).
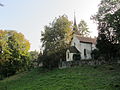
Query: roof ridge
point(86, 39)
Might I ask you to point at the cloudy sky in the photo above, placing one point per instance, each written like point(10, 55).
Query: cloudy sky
point(30, 16)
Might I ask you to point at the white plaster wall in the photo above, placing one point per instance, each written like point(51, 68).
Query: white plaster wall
point(70, 56)
point(80, 47)
point(75, 42)
point(88, 48)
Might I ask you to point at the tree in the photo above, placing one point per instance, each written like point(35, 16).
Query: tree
point(83, 28)
point(56, 38)
point(34, 58)
point(34, 55)
point(108, 28)
point(106, 7)
point(14, 55)
point(4, 52)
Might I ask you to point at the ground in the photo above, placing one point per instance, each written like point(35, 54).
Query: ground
point(105, 77)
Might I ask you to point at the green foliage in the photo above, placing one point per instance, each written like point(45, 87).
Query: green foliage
point(14, 54)
point(105, 77)
point(109, 32)
point(34, 55)
point(83, 28)
point(108, 41)
point(105, 7)
point(34, 58)
point(56, 38)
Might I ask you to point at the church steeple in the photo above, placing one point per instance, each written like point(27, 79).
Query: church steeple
point(75, 25)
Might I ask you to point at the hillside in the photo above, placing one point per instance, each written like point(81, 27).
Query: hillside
point(105, 77)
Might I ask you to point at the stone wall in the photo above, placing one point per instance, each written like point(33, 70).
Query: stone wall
point(66, 64)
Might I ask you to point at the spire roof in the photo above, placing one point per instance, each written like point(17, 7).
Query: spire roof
point(75, 25)
point(74, 20)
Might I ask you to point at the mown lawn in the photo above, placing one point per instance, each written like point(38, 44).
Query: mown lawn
point(106, 77)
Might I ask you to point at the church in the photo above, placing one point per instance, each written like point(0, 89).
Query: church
point(81, 47)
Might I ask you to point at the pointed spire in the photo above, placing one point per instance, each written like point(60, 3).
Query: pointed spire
point(75, 25)
point(74, 19)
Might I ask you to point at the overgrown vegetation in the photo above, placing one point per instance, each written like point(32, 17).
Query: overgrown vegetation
point(105, 77)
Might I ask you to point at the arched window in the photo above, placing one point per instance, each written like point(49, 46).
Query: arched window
point(68, 55)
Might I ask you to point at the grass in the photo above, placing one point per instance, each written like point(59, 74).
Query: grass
point(105, 77)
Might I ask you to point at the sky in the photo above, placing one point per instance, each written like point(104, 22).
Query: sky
point(30, 16)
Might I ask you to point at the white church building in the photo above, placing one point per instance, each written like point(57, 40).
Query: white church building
point(81, 48)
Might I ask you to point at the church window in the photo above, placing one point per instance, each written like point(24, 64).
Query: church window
point(85, 54)
point(68, 55)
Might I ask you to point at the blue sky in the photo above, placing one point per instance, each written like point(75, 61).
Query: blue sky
point(30, 16)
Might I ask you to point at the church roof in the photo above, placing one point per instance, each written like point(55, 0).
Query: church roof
point(86, 39)
point(73, 49)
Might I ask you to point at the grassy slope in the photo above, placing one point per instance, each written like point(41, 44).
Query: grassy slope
point(80, 78)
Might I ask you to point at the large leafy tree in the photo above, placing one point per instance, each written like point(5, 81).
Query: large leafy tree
point(106, 7)
point(14, 54)
point(108, 28)
point(83, 28)
point(56, 38)
point(4, 50)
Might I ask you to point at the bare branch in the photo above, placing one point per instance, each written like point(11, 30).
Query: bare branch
point(1, 5)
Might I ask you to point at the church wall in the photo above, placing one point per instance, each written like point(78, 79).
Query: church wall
point(69, 56)
point(88, 48)
point(93, 46)
point(81, 46)
point(75, 42)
